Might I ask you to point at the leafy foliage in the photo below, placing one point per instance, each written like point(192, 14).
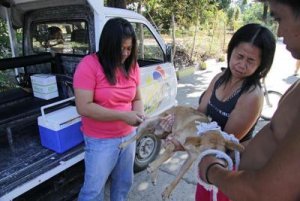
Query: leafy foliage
point(206, 23)
point(186, 12)
point(6, 77)
point(5, 49)
point(4, 41)
point(253, 13)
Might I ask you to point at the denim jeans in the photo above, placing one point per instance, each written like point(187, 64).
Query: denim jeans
point(104, 158)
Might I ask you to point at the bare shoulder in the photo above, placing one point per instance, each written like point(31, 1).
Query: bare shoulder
point(213, 81)
point(245, 114)
point(216, 78)
point(205, 98)
point(278, 130)
point(250, 103)
point(287, 111)
point(253, 96)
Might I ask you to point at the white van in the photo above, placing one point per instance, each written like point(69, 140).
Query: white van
point(26, 164)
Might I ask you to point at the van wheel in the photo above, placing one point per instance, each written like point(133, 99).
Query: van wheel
point(147, 148)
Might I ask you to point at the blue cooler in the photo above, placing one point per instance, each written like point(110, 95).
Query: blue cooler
point(60, 130)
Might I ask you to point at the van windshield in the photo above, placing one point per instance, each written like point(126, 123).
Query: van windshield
point(60, 37)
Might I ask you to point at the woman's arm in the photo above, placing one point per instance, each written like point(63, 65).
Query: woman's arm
point(86, 107)
point(245, 114)
point(137, 103)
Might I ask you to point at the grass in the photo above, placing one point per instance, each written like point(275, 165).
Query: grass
point(185, 72)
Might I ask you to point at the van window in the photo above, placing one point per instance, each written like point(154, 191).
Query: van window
point(149, 50)
point(60, 37)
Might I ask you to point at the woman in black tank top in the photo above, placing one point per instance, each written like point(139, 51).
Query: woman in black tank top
point(234, 97)
point(219, 111)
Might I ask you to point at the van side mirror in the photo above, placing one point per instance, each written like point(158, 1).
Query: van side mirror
point(169, 53)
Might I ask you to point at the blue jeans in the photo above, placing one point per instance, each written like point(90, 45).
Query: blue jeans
point(104, 158)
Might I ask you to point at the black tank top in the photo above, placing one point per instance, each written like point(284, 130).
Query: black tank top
point(219, 111)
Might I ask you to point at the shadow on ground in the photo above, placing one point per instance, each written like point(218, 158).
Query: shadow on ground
point(191, 87)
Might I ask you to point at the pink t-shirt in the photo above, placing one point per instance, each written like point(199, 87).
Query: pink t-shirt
point(89, 75)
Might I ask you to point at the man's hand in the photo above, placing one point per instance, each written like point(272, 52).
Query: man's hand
point(207, 163)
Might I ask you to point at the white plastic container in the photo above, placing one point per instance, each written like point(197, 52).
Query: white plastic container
point(44, 86)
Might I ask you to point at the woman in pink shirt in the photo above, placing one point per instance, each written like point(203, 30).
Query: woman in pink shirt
point(108, 98)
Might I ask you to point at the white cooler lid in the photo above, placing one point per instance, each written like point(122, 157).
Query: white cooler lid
point(60, 119)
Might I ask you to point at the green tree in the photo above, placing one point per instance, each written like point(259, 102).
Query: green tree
point(253, 13)
point(4, 40)
point(222, 4)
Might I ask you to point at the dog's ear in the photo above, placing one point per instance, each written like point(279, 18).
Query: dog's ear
point(234, 146)
point(196, 141)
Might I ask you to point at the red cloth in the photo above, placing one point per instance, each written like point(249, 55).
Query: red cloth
point(204, 195)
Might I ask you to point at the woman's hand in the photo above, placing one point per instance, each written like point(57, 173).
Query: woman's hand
point(167, 122)
point(134, 118)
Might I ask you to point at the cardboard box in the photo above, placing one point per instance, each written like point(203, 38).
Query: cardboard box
point(44, 86)
point(46, 96)
point(60, 130)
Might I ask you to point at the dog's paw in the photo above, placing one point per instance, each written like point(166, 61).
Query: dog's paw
point(166, 194)
point(154, 175)
point(150, 169)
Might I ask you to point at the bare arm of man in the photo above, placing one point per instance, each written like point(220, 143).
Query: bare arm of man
point(277, 180)
point(263, 146)
point(86, 107)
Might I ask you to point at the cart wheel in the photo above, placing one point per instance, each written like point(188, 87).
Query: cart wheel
point(147, 148)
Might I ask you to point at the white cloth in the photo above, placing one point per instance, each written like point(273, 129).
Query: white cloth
point(202, 128)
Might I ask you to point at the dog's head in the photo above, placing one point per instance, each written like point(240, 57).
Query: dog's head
point(213, 139)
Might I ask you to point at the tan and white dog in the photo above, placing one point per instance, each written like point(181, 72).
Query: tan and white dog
point(184, 131)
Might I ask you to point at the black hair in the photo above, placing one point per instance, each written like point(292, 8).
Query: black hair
point(262, 38)
point(293, 4)
point(110, 47)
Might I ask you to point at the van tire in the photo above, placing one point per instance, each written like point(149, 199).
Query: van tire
point(147, 149)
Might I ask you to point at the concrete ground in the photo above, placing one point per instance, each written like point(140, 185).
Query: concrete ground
point(189, 89)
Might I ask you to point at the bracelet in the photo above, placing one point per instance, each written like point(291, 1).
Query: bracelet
point(208, 168)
